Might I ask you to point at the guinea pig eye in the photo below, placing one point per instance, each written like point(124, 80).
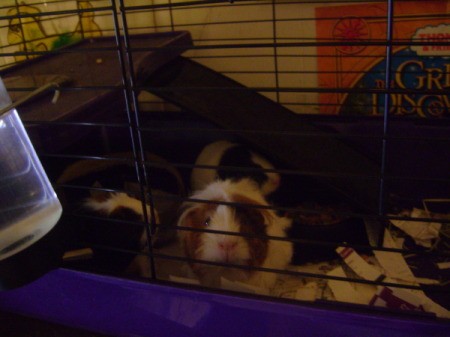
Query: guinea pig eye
point(207, 221)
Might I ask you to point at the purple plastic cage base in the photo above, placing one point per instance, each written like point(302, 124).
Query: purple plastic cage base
point(122, 307)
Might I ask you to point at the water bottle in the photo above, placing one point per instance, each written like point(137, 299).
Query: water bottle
point(29, 207)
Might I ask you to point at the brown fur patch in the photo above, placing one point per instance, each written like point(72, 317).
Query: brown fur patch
point(195, 218)
point(252, 222)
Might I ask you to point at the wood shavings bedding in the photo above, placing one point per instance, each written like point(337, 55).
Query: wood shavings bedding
point(311, 289)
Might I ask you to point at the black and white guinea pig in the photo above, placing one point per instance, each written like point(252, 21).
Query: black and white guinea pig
point(225, 153)
point(234, 249)
point(119, 205)
point(115, 234)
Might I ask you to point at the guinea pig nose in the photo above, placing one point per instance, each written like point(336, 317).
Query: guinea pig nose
point(227, 245)
point(276, 180)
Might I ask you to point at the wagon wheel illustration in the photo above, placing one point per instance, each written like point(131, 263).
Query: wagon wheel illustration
point(436, 109)
point(351, 29)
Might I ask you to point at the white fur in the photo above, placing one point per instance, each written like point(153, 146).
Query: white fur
point(211, 155)
point(279, 253)
point(222, 220)
point(118, 200)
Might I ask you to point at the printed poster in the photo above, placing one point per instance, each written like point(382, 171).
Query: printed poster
point(425, 70)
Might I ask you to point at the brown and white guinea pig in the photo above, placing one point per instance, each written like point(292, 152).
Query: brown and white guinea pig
point(224, 153)
point(234, 249)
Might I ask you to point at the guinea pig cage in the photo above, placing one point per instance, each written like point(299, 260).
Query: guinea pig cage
point(235, 168)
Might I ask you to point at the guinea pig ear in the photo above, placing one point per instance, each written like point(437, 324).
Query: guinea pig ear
point(191, 215)
point(194, 215)
point(98, 195)
point(186, 215)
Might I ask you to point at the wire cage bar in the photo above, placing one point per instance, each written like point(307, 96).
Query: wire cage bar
point(344, 104)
